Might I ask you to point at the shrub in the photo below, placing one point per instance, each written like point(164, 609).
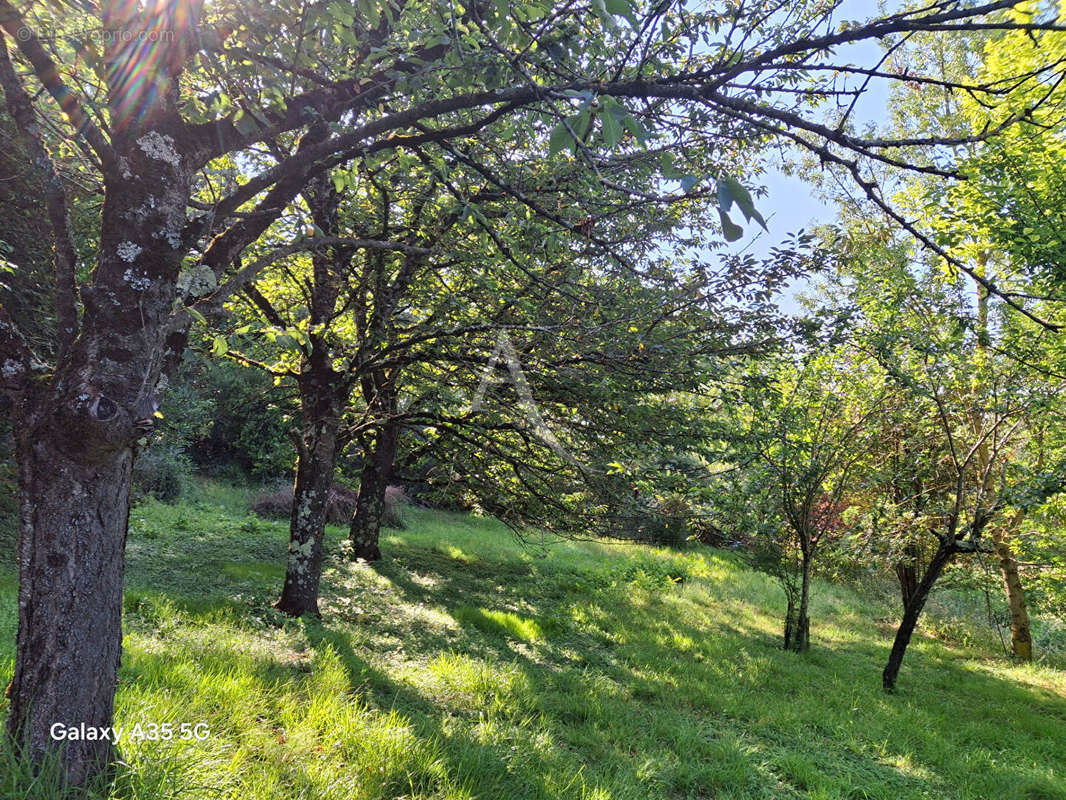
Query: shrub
point(665, 520)
point(162, 471)
point(340, 505)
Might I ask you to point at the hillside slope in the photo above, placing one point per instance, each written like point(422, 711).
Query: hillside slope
point(468, 665)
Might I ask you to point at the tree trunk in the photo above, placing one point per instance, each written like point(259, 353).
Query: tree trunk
point(907, 572)
point(907, 625)
point(798, 623)
point(77, 429)
point(370, 505)
point(790, 618)
point(72, 536)
point(1021, 640)
point(307, 523)
point(323, 394)
point(803, 638)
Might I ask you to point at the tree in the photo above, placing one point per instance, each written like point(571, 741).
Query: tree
point(805, 432)
point(183, 86)
point(958, 443)
point(1000, 220)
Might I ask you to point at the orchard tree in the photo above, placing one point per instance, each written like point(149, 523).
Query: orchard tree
point(957, 450)
point(1002, 221)
point(805, 434)
point(181, 90)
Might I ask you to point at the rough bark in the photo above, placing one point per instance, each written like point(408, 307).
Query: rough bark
point(78, 431)
point(365, 530)
point(314, 476)
point(79, 422)
point(940, 559)
point(1021, 640)
point(73, 520)
point(322, 390)
point(907, 573)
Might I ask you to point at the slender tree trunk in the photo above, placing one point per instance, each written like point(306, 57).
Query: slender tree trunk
point(911, 614)
point(370, 505)
point(907, 572)
point(323, 394)
point(790, 620)
point(797, 622)
point(803, 638)
point(1021, 640)
point(307, 524)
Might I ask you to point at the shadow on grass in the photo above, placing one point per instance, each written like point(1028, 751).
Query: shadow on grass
point(818, 719)
point(636, 693)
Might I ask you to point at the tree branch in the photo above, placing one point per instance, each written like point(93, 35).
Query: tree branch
point(48, 74)
point(65, 258)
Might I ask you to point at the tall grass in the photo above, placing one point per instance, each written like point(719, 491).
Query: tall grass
point(468, 665)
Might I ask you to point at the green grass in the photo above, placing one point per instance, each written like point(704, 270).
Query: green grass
point(468, 665)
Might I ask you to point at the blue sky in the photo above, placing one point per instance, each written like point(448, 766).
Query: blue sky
point(790, 203)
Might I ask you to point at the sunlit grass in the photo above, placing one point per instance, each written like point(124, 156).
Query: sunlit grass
point(468, 665)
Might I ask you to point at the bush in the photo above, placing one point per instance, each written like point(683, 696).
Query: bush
point(665, 520)
point(233, 419)
point(340, 505)
point(162, 471)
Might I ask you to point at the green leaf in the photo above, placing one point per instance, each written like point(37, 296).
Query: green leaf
point(559, 140)
point(688, 182)
point(580, 123)
point(219, 346)
point(731, 230)
point(341, 12)
point(623, 8)
point(196, 315)
point(632, 124)
point(731, 191)
point(666, 166)
point(600, 7)
point(612, 128)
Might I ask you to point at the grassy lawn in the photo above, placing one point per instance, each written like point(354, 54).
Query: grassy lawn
point(469, 665)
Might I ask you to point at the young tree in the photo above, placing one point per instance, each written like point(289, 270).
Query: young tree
point(970, 398)
point(806, 432)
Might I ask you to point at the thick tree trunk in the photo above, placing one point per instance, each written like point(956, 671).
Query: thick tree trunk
point(307, 524)
point(72, 536)
point(77, 432)
point(365, 530)
point(1021, 639)
point(911, 614)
